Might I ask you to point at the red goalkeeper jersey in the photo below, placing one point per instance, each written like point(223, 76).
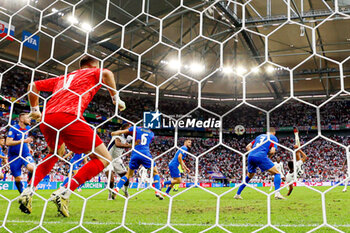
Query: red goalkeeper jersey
point(65, 98)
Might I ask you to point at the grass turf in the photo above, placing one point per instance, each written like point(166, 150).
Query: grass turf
point(192, 211)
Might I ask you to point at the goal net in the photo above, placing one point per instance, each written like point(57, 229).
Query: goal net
point(218, 73)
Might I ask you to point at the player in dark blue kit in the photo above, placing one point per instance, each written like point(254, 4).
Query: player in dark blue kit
point(19, 155)
point(174, 166)
point(76, 160)
point(143, 139)
point(2, 155)
point(259, 158)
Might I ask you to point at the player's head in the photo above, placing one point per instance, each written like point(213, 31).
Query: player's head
point(278, 159)
point(291, 166)
point(272, 131)
point(88, 62)
point(24, 118)
point(2, 140)
point(188, 143)
point(125, 126)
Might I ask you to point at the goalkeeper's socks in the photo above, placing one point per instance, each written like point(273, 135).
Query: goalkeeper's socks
point(89, 170)
point(157, 182)
point(168, 190)
point(19, 186)
point(277, 181)
point(121, 182)
point(240, 189)
point(167, 182)
point(44, 168)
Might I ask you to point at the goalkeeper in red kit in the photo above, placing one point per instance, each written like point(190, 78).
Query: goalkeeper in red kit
point(64, 112)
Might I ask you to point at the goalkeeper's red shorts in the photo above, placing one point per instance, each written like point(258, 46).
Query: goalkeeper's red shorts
point(78, 136)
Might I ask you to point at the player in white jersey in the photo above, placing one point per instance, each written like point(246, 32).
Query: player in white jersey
point(143, 177)
point(346, 182)
point(116, 149)
point(280, 168)
point(301, 157)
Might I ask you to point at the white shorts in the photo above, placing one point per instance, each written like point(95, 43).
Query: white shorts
point(289, 177)
point(117, 166)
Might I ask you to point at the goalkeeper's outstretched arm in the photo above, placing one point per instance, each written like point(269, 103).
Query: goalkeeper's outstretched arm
point(108, 79)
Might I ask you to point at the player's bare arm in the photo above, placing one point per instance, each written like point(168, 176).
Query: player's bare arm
point(344, 165)
point(119, 132)
point(249, 146)
point(303, 156)
point(272, 151)
point(33, 97)
point(11, 142)
point(119, 144)
point(184, 167)
point(108, 79)
point(67, 155)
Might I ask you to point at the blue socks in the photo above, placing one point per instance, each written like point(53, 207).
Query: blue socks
point(65, 181)
point(122, 181)
point(277, 181)
point(169, 188)
point(240, 189)
point(157, 182)
point(19, 186)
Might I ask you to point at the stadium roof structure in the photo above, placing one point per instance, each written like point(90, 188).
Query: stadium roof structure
point(218, 41)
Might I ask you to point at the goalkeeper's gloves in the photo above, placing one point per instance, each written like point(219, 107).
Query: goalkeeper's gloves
point(35, 113)
point(121, 103)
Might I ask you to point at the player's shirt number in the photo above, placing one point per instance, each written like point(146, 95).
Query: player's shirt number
point(144, 139)
point(69, 81)
point(262, 140)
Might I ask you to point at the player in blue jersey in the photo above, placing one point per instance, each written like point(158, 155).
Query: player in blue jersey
point(174, 166)
point(143, 139)
point(2, 155)
point(259, 158)
point(19, 151)
point(76, 160)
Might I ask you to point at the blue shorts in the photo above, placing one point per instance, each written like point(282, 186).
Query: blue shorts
point(137, 160)
point(174, 171)
point(263, 163)
point(16, 165)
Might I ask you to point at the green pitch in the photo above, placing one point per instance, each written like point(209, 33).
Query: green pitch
point(192, 211)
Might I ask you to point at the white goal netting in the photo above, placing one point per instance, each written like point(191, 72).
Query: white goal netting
point(150, 51)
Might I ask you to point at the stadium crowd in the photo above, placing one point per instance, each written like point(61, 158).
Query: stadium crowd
point(324, 163)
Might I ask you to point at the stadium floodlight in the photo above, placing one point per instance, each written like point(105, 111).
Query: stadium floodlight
point(72, 19)
point(270, 69)
point(87, 27)
point(227, 70)
point(54, 10)
point(197, 67)
point(174, 64)
point(241, 70)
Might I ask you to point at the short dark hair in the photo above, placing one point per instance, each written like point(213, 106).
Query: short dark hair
point(22, 114)
point(86, 60)
point(125, 125)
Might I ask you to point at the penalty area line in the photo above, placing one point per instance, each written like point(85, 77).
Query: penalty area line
point(173, 224)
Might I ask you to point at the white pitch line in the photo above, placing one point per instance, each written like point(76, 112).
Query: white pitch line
point(174, 224)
